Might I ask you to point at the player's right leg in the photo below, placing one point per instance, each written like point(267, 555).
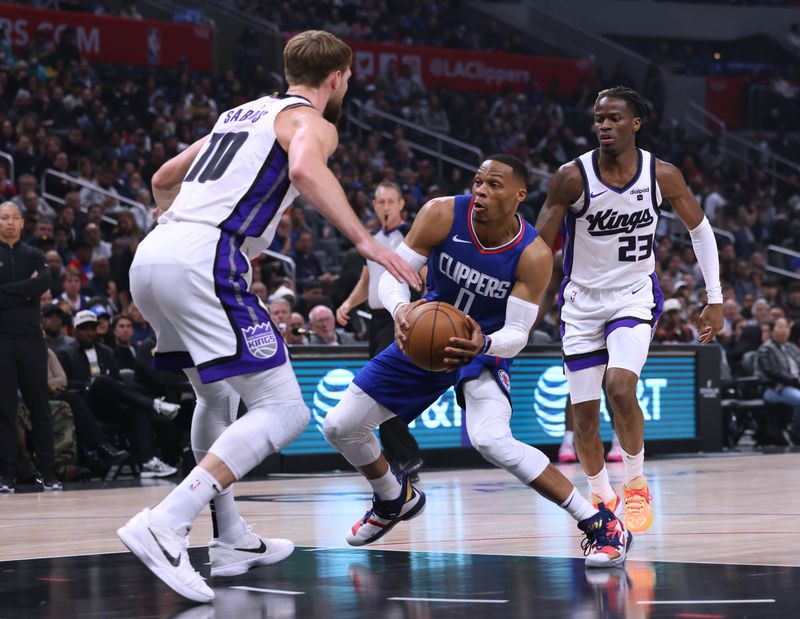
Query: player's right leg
point(488, 412)
point(349, 427)
point(234, 547)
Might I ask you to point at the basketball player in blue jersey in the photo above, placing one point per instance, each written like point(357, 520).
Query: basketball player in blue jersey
point(486, 260)
point(607, 204)
point(221, 201)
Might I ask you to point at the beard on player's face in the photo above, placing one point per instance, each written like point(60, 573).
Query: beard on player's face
point(333, 110)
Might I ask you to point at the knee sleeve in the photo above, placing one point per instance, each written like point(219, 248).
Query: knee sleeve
point(215, 409)
point(259, 433)
point(349, 426)
point(585, 385)
point(488, 416)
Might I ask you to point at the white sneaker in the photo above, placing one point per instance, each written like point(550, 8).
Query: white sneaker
point(163, 551)
point(249, 551)
point(168, 409)
point(156, 468)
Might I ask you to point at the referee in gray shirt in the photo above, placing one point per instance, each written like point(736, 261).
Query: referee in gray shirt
point(399, 445)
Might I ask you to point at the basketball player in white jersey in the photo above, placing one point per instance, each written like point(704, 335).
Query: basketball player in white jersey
point(222, 199)
point(399, 446)
point(607, 203)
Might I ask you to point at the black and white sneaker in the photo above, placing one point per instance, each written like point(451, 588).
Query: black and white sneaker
point(163, 551)
point(8, 485)
point(249, 551)
point(156, 468)
point(49, 483)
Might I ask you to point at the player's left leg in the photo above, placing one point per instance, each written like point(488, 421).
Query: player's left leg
point(627, 351)
point(349, 427)
point(488, 416)
point(234, 548)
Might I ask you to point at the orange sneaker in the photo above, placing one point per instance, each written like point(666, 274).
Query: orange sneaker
point(611, 505)
point(638, 505)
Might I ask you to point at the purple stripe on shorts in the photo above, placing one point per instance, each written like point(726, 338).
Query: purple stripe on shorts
point(172, 361)
point(259, 344)
point(586, 362)
point(658, 298)
point(624, 322)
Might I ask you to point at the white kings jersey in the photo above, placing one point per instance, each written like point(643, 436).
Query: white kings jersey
point(239, 181)
point(609, 232)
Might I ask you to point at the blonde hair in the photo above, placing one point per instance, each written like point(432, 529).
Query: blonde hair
point(311, 56)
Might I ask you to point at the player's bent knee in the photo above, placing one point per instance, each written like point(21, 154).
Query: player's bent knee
point(496, 444)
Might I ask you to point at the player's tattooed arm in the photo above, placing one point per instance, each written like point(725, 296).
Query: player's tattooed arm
point(673, 188)
point(565, 188)
point(168, 178)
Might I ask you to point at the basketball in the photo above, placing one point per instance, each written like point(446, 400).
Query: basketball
point(430, 327)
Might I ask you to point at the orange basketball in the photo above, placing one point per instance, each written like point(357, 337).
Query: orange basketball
point(430, 327)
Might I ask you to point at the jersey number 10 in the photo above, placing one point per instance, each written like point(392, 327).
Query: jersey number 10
point(218, 155)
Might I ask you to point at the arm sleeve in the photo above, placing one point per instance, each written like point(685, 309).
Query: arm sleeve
point(393, 293)
point(705, 248)
point(507, 341)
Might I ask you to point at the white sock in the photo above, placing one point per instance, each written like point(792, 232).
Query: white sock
point(182, 505)
point(569, 439)
point(228, 524)
point(634, 466)
point(386, 487)
point(578, 507)
point(601, 486)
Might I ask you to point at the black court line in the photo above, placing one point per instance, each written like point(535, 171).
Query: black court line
point(347, 583)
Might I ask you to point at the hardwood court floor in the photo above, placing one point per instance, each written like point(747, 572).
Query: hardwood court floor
point(721, 544)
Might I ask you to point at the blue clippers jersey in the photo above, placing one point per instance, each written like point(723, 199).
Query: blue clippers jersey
point(476, 279)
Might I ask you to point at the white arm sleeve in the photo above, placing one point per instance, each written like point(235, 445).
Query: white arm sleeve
point(513, 336)
point(392, 292)
point(705, 248)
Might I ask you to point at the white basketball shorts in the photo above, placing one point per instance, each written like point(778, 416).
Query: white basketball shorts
point(191, 282)
point(589, 316)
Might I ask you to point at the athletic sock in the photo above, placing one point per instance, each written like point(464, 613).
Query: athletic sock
point(569, 439)
point(182, 505)
point(386, 487)
point(578, 507)
point(601, 486)
point(634, 466)
point(228, 524)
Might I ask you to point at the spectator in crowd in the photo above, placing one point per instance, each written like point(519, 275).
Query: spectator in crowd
point(307, 265)
point(124, 351)
point(82, 263)
point(54, 323)
point(104, 334)
point(671, 328)
point(778, 364)
point(141, 329)
point(296, 333)
point(311, 297)
point(72, 283)
point(24, 276)
point(93, 375)
point(100, 248)
point(324, 331)
point(280, 310)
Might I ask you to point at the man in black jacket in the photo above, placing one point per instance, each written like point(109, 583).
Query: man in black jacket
point(92, 372)
point(24, 276)
point(778, 364)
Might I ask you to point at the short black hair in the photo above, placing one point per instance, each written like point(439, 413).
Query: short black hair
point(629, 95)
point(519, 168)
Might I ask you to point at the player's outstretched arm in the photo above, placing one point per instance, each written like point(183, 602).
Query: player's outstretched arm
point(673, 187)
point(168, 178)
point(565, 187)
point(312, 140)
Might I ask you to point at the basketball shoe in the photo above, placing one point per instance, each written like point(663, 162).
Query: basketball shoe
point(566, 453)
point(606, 543)
point(638, 505)
point(383, 515)
point(611, 505)
point(163, 551)
point(249, 551)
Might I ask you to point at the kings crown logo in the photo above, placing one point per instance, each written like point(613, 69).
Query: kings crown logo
point(261, 340)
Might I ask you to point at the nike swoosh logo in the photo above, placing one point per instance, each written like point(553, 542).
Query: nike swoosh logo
point(261, 549)
point(594, 195)
point(174, 561)
point(458, 240)
point(638, 289)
